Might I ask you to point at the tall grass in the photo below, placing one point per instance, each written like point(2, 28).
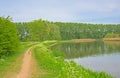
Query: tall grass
point(57, 67)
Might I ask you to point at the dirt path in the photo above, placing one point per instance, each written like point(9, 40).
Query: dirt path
point(26, 65)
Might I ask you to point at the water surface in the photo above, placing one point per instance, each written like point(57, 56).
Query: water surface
point(98, 55)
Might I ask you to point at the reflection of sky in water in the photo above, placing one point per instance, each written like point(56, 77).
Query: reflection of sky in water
point(108, 63)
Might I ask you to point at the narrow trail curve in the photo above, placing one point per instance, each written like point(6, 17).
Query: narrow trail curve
point(26, 65)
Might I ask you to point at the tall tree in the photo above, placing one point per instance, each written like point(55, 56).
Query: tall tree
point(9, 40)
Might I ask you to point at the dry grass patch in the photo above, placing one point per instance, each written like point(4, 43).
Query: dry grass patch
point(111, 39)
point(83, 40)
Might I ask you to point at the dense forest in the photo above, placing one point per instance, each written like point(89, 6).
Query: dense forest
point(80, 30)
point(41, 30)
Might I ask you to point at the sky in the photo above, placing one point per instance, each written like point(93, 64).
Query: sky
point(83, 11)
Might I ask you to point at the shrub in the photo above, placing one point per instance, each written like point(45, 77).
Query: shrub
point(112, 35)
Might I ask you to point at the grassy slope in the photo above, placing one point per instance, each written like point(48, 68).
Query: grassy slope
point(56, 67)
point(10, 65)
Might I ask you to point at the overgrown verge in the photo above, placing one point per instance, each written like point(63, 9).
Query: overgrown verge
point(57, 67)
point(10, 64)
point(112, 37)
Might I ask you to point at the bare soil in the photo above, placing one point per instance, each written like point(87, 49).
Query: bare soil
point(25, 67)
point(27, 64)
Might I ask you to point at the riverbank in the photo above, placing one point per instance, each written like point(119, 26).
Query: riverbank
point(56, 67)
point(111, 39)
point(78, 40)
point(83, 40)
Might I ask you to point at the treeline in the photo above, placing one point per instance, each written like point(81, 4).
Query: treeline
point(80, 30)
point(9, 40)
point(40, 30)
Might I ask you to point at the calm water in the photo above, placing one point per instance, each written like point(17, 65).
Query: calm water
point(98, 55)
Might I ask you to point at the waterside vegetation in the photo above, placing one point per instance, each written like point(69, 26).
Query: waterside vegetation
point(57, 67)
point(112, 37)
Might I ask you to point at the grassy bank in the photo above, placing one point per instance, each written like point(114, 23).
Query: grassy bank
point(11, 64)
point(79, 40)
point(56, 67)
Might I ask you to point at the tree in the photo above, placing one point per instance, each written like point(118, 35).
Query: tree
point(23, 31)
point(9, 40)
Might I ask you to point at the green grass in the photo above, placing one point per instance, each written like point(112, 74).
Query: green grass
point(8, 63)
point(56, 67)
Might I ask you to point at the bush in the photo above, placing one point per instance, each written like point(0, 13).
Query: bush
point(9, 41)
point(112, 35)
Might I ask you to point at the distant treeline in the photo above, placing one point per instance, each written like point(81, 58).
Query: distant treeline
point(40, 30)
point(80, 30)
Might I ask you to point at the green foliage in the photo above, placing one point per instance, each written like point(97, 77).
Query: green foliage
point(112, 35)
point(70, 31)
point(23, 31)
point(58, 54)
point(58, 68)
point(38, 30)
point(54, 33)
point(9, 41)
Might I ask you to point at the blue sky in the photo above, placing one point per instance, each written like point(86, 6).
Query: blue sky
point(86, 11)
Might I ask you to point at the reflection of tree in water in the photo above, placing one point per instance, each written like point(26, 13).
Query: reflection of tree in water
point(75, 50)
